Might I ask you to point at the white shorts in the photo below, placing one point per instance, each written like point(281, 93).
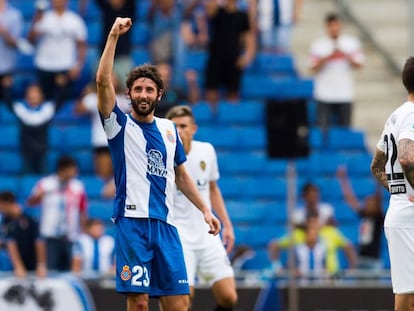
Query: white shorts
point(401, 251)
point(209, 264)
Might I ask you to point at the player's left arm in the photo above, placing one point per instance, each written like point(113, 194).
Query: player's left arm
point(217, 203)
point(188, 187)
point(406, 158)
point(378, 167)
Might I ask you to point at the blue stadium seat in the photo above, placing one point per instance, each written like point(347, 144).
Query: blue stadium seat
point(140, 34)
point(142, 9)
point(27, 8)
point(202, 113)
point(27, 182)
point(358, 164)
point(242, 163)
point(273, 64)
point(259, 86)
point(222, 138)
point(10, 137)
point(246, 212)
point(100, 209)
point(195, 59)
point(344, 213)
point(77, 137)
point(231, 187)
point(10, 183)
point(252, 138)
point(325, 163)
point(140, 56)
point(346, 139)
point(364, 187)
point(84, 158)
point(316, 141)
point(330, 188)
point(277, 167)
point(259, 261)
point(93, 186)
point(257, 235)
point(261, 188)
point(94, 32)
point(242, 112)
point(6, 116)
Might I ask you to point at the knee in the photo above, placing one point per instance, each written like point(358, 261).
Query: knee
point(137, 302)
point(229, 300)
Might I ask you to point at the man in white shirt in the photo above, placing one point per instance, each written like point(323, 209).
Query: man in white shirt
point(205, 255)
point(393, 166)
point(332, 59)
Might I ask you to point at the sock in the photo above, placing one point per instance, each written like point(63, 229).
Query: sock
point(219, 308)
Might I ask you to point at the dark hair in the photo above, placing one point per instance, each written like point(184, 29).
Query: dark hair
point(179, 111)
point(331, 17)
point(7, 196)
point(408, 75)
point(309, 186)
point(145, 71)
point(65, 162)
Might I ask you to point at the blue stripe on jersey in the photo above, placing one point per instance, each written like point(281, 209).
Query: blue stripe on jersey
point(156, 169)
point(116, 146)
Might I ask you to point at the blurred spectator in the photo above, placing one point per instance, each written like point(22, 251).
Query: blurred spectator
point(312, 205)
point(34, 114)
point(332, 59)
point(311, 254)
point(164, 20)
point(333, 240)
point(87, 104)
point(276, 19)
point(24, 245)
point(231, 48)
point(59, 35)
point(11, 29)
point(94, 251)
point(63, 204)
point(110, 10)
point(174, 95)
point(371, 217)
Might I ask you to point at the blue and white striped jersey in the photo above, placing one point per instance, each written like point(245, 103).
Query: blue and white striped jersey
point(144, 156)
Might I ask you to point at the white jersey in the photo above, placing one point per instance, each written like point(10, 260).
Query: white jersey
point(56, 49)
point(334, 82)
point(400, 125)
point(144, 158)
point(202, 166)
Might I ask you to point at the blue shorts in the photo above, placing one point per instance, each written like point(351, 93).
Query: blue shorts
point(149, 258)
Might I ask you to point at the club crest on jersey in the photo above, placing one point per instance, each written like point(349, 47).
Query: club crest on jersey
point(203, 165)
point(125, 273)
point(170, 136)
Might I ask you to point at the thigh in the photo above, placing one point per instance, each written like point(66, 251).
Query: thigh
point(401, 251)
point(190, 258)
point(169, 275)
point(133, 255)
point(213, 262)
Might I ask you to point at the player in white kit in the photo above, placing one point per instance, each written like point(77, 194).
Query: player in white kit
point(393, 166)
point(205, 255)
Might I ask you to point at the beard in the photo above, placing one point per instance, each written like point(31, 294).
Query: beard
point(143, 111)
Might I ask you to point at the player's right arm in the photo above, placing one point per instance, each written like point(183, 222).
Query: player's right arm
point(378, 167)
point(105, 88)
point(406, 158)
